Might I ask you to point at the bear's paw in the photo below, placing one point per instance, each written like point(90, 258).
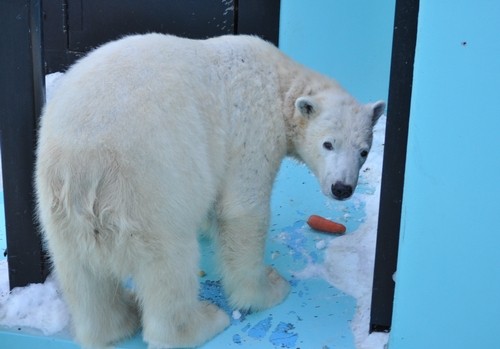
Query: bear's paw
point(202, 324)
point(267, 292)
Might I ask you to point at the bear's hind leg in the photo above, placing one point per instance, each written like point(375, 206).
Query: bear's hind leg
point(167, 286)
point(103, 311)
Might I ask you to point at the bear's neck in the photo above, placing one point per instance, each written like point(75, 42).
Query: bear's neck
point(292, 84)
point(296, 81)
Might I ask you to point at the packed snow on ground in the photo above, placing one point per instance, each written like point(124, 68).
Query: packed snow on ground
point(348, 266)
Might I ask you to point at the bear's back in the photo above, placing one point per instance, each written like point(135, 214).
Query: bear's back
point(160, 78)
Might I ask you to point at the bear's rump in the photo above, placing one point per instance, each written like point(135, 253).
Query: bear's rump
point(112, 209)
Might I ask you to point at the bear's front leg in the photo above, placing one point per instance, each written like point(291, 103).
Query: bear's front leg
point(249, 284)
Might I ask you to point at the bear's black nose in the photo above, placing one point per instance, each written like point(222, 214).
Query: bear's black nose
point(341, 191)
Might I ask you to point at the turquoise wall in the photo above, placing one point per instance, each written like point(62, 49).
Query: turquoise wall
point(349, 40)
point(448, 278)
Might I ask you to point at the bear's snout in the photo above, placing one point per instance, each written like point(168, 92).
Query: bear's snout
point(341, 191)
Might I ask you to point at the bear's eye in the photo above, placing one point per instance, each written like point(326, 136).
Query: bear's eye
point(364, 153)
point(328, 146)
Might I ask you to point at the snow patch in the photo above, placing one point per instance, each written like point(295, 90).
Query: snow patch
point(37, 306)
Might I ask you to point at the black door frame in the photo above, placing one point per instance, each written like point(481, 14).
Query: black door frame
point(22, 96)
point(393, 172)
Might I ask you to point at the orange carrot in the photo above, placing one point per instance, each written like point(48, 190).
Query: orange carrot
point(325, 225)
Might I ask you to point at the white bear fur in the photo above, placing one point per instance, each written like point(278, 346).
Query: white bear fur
point(149, 136)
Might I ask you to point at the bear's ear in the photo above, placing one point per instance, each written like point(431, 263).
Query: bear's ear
point(378, 108)
point(307, 106)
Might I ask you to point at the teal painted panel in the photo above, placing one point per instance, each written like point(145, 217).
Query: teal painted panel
point(12, 339)
point(448, 279)
point(350, 41)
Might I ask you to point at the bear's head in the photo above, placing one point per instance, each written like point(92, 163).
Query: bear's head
point(335, 138)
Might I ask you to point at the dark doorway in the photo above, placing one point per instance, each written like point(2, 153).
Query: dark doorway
point(73, 27)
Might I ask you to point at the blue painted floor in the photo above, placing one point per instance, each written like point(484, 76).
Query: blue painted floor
point(315, 315)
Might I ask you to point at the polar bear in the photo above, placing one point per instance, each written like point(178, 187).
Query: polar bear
point(150, 136)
